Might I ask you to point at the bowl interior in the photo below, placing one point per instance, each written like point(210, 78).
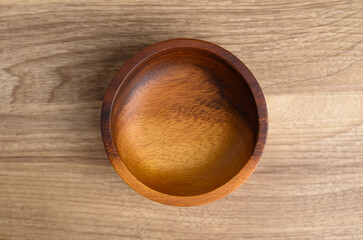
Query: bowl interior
point(184, 122)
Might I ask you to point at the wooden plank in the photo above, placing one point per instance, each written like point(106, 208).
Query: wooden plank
point(57, 58)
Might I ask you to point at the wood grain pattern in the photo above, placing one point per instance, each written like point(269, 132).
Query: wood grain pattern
point(184, 122)
point(57, 59)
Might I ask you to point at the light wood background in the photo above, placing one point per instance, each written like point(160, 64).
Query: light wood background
point(57, 58)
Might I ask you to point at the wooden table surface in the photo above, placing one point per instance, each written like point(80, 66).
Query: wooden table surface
point(57, 58)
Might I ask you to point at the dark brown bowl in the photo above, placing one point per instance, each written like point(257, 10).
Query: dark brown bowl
point(184, 122)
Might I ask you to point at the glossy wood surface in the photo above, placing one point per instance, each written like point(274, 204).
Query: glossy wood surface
point(184, 122)
point(57, 59)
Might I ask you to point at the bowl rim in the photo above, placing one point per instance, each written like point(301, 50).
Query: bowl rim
point(121, 168)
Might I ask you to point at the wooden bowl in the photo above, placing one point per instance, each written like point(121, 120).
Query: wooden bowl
point(184, 122)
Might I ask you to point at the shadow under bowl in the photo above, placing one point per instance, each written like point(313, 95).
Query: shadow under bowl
point(184, 122)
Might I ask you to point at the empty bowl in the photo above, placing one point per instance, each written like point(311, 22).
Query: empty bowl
point(184, 122)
